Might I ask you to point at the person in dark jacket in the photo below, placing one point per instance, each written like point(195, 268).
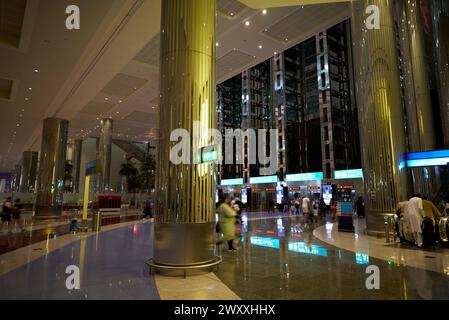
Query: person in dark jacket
point(16, 214)
point(147, 208)
point(360, 207)
point(7, 213)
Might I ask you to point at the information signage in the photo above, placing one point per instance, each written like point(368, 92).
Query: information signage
point(305, 176)
point(427, 158)
point(349, 174)
point(91, 168)
point(263, 179)
point(231, 182)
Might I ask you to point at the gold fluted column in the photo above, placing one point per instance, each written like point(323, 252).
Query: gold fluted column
point(104, 150)
point(184, 228)
point(420, 125)
point(381, 119)
point(28, 172)
point(440, 20)
point(52, 168)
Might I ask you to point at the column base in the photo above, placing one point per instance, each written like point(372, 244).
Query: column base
point(183, 246)
point(47, 212)
point(375, 223)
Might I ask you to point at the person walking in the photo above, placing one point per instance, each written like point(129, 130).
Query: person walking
point(227, 221)
point(322, 208)
point(297, 205)
point(306, 210)
point(7, 213)
point(237, 206)
point(360, 207)
point(148, 208)
point(16, 215)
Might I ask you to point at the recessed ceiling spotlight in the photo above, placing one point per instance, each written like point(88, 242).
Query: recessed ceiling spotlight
point(106, 99)
point(247, 23)
point(120, 101)
point(22, 110)
point(18, 125)
point(275, 53)
point(264, 11)
point(36, 70)
point(117, 112)
point(260, 46)
point(30, 88)
point(231, 14)
point(216, 44)
point(26, 99)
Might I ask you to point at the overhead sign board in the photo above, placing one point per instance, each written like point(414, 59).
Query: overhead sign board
point(349, 174)
point(263, 179)
point(304, 176)
point(231, 182)
point(427, 158)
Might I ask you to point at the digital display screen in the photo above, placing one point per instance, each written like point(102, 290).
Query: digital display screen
point(327, 193)
point(348, 174)
point(232, 182)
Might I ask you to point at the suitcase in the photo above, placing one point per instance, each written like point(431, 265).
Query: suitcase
point(404, 232)
point(428, 233)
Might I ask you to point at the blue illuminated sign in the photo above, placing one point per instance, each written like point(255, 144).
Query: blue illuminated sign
point(349, 174)
point(361, 258)
point(302, 247)
point(232, 182)
point(304, 176)
point(427, 158)
point(265, 242)
point(263, 179)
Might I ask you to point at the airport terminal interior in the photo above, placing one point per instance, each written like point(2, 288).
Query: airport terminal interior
point(224, 149)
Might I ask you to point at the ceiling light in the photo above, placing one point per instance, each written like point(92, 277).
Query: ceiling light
point(260, 46)
point(30, 88)
point(106, 99)
point(36, 70)
point(247, 23)
point(26, 99)
point(120, 101)
point(117, 112)
point(275, 53)
point(264, 11)
point(231, 14)
point(18, 125)
point(216, 44)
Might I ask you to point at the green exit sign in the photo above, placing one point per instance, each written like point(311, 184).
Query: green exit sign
point(207, 154)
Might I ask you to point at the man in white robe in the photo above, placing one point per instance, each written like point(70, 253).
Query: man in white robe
point(415, 213)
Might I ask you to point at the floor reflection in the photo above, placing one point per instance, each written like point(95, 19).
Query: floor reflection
point(279, 258)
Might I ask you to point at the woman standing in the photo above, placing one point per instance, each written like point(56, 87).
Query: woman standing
point(227, 221)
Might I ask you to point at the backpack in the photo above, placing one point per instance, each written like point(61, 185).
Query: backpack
point(428, 233)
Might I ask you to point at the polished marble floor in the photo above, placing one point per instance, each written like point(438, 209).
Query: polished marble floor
point(279, 258)
point(111, 263)
point(13, 238)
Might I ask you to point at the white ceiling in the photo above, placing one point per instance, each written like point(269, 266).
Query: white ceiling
point(110, 67)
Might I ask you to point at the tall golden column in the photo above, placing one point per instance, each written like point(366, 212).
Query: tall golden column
point(381, 119)
point(440, 21)
point(420, 125)
point(185, 193)
point(50, 186)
